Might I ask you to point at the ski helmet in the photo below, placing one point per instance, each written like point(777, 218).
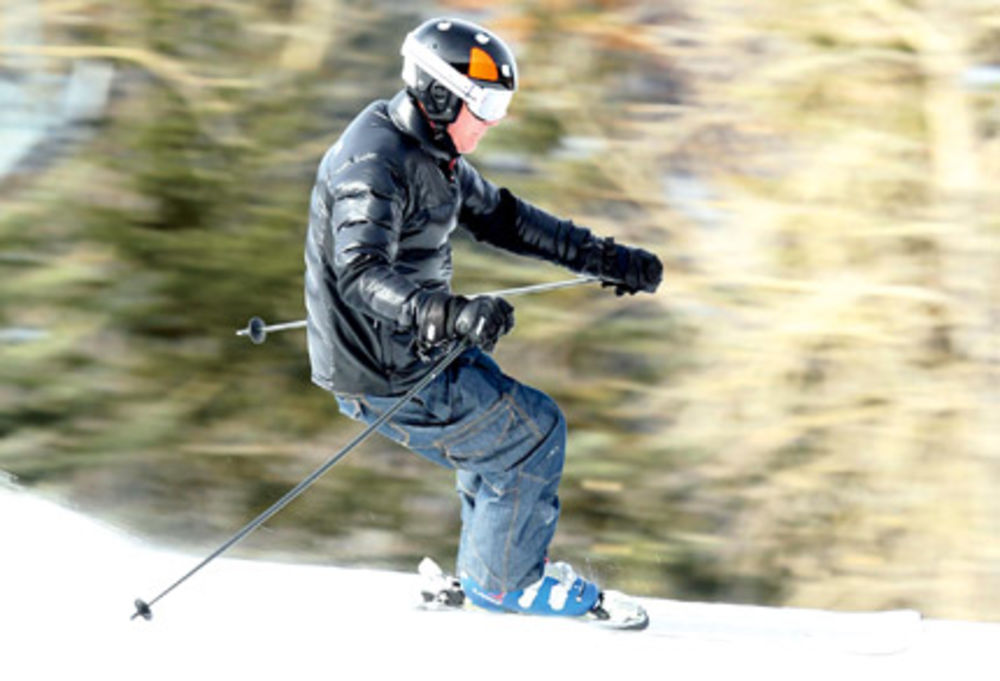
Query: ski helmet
point(450, 61)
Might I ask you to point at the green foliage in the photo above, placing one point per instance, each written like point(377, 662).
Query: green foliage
point(801, 416)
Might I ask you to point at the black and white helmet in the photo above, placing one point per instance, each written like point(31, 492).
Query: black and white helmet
point(450, 61)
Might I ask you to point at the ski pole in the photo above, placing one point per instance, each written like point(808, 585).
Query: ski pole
point(143, 608)
point(257, 329)
point(538, 288)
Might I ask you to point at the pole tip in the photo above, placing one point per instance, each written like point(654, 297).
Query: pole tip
point(142, 609)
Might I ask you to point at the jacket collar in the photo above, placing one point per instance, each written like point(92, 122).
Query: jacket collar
point(410, 120)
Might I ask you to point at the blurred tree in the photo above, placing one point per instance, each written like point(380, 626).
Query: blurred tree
point(806, 414)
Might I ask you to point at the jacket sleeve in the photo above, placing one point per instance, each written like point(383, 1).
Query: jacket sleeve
point(365, 203)
point(497, 217)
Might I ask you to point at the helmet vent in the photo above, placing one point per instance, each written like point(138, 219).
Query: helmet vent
point(482, 38)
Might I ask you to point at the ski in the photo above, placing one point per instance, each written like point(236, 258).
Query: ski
point(613, 610)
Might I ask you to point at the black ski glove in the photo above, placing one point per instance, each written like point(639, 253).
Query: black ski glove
point(629, 270)
point(442, 318)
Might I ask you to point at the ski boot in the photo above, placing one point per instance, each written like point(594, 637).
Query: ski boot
point(559, 592)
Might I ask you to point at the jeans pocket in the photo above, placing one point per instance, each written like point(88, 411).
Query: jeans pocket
point(497, 439)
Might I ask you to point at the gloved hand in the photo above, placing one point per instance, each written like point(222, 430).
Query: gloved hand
point(442, 317)
point(629, 270)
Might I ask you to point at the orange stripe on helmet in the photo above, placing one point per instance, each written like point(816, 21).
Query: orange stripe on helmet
point(482, 66)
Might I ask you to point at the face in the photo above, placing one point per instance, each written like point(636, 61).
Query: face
point(467, 130)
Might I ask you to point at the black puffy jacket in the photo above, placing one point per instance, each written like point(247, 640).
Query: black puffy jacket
point(386, 200)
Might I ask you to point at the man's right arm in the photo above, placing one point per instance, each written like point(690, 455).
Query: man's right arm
point(365, 200)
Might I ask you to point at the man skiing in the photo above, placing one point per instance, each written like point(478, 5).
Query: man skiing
point(380, 310)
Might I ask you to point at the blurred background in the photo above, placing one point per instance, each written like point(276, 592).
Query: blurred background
point(807, 413)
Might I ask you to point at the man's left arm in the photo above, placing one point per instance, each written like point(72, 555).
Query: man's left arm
point(495, 216)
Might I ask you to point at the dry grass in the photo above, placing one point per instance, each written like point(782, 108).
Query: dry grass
point(809, 410)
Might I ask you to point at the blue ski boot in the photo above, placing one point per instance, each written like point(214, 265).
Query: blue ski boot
point(562, 592)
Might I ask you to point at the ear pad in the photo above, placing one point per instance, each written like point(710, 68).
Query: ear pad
point(440, 98)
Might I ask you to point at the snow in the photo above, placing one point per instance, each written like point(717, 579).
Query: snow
point(982, 77)
point(67, 586)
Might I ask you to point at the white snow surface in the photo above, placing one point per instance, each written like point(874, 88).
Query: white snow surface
point(67, 586)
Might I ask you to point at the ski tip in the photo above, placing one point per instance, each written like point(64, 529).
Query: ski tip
point(615, 610)
point(638, 623)
point(633, 622)
point(429, 568)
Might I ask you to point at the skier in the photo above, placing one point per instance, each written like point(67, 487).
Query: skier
point(380, 311)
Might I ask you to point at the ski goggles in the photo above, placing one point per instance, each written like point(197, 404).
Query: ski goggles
point(486, 103)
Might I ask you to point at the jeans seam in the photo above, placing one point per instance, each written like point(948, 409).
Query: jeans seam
point(510, 538)
point(536, 478)
point(462, 488)
point(484, 565)
point(403, 433)
point(486, 481)
point(525, 416)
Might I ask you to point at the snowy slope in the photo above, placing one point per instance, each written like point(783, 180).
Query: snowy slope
point(67, 584)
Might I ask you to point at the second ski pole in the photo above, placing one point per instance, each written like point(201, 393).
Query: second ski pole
point(257, 329)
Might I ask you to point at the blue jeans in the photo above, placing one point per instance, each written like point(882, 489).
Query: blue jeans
point(506, 442)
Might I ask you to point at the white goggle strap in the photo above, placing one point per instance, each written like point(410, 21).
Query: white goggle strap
point(478, 98)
